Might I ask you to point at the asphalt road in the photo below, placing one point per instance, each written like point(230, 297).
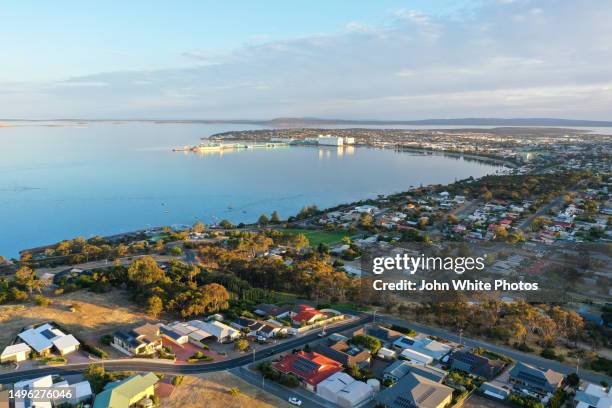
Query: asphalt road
point(152, 365)
point(309, 399)
point(512, 353)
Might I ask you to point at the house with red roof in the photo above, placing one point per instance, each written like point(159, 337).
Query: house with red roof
point(307, 316)
point(302, 315)
point(310, 368)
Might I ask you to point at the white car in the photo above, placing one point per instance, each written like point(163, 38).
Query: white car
point(295, 401)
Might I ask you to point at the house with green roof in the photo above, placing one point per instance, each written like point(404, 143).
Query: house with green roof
point(128, 392)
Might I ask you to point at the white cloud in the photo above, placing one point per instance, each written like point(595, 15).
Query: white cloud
point(553, 61)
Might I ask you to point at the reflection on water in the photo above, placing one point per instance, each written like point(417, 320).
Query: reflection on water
point(328, 152)
point(60, 182)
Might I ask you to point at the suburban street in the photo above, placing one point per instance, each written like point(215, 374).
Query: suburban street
point(168, 367)
point(512, 353)
point(247, 358)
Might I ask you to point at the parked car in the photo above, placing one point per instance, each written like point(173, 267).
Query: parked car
point(295, 401)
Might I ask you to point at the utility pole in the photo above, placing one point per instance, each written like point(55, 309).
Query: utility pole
point(253, 355)
point(460, 337)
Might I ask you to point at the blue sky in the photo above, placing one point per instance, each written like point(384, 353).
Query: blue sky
point(355, 59)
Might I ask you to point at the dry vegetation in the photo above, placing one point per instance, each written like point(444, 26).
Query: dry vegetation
point(213, 391)
point(93, 314)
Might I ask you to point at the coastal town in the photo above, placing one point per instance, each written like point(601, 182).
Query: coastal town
point(280, 303)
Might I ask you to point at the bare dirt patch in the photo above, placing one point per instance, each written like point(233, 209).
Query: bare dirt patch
point(85, 314)
point(213, 391)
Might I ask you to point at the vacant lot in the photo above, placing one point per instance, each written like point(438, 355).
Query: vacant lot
point(94, 314)
point(213, 391)
point(317, 236)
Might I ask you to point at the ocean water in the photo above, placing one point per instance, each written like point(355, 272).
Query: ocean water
point(58, 182)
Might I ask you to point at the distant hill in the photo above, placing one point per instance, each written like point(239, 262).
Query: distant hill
point(440, 122)
point(297, 122)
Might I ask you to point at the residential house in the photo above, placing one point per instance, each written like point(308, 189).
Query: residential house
point(41, 382)
point(386, 336)
point(494, 391)
point(310, 368)
point(266, 330)
point(346, 354)
point(386, 354)
point(243, 324)
point(145, 339)
point(222, 333)
point(16, 352)
point(344, 391)
point(197, 332)
point(303, 315)
point(45, 337)
point(476, 364)
point(266, 309)
point(80, 392)
point(414, 348)
point(525, 376)
point(593, 396)
point(400, 368)
point(174, 333)
point(415, 391)
point(127, 392)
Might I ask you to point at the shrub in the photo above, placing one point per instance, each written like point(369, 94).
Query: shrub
point(94, 350)
point(552, 355)
point(177, 380)
point(369, 342)
point(40, 300)
point(602, 364)
point(523, 347)
point(404, 330)
point(107, 339)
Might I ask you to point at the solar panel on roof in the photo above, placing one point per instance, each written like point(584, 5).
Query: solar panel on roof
point(305, 366)
point(402, 402)
point(426, 394)
point(48, 334)
point(170, 333)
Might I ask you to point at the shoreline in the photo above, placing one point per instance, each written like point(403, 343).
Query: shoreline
point(121, 235)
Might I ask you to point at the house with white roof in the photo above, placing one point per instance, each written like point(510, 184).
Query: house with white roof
point(594, 396)
point(421, 345)
point(222, 332)
point(79, 392)
point(42, 382)
point(343, 390)
point(197, 331)
point(16, 352)
point(66, 344)
point(44, 337)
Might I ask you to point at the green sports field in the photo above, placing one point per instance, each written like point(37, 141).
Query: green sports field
point(315, 237)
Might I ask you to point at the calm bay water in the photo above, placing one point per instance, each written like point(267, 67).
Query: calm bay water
point(60, 182)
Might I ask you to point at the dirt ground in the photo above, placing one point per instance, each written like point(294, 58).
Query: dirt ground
point(212, 391)
point(95, 315)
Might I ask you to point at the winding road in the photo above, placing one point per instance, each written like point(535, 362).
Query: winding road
point(169, 367)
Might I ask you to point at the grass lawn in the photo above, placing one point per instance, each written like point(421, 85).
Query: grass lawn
point(317, 236)
point(213, 391)
point(96, 314)
point(350, 306)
